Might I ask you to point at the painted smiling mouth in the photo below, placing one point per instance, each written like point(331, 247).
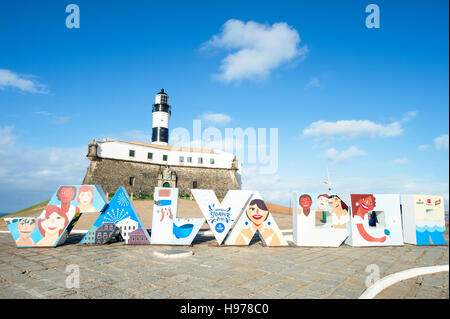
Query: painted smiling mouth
point(364, 206)
point(51, 228)
point(257, 216)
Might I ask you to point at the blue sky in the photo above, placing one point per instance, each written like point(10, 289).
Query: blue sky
point(374, 101)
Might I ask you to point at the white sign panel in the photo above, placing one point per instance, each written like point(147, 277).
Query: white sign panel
point(221, 216)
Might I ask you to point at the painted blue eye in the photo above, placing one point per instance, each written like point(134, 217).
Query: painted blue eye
point(268, 223)
point(387, 232)
point(246, 223)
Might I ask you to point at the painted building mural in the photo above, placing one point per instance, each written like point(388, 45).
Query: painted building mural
point(127, 226)
point(105, 233)
point(121, 212)
point(138, 237)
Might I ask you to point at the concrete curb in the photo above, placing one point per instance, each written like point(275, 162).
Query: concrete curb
point(392, 279)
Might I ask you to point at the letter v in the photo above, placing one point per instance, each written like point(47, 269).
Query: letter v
point(221, 216)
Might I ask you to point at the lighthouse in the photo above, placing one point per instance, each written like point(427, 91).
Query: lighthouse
point(161, 113)
point(140, 166)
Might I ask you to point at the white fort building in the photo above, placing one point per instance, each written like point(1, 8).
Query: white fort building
point(141, 166)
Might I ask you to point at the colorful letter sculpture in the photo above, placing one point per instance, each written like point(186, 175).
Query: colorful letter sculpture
point(119, 216)
point(81, 198)
point(256, 218)
point(58, 218)
point(221, 216)
point(423, 218)
point(23, 231)
point(306, 209)
point(376, 220)
point(371, 219)
point(167, 229)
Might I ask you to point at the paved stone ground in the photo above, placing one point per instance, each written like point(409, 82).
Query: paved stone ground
point(120, 271)
point(433, 286)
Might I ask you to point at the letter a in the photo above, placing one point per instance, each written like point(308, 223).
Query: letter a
point(73, 19)
point(373, 19)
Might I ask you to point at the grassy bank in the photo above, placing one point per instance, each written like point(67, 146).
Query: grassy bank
point(31, 211)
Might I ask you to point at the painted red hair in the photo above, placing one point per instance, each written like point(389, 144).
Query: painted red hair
point(84, 189)
point(50, 209)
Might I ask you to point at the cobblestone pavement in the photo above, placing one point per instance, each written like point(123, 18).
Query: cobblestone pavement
point(432, 286)
point(120, 271)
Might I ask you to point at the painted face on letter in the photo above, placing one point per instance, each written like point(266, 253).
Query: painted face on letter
point(305, 202)
point(53, 224)
point(85, 197)
point(367, 203)
point(256, 215)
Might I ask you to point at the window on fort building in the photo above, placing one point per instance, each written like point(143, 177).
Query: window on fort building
point(131, 181)
point(150, 155)
point(131, 153)
point(200, 160)
point(165, 158)
point(194, 185)
point(181, 159)
point(189, 159)
point(211, 161)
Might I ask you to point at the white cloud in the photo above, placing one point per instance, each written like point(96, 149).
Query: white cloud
point(352, 129)
point(257, 49)
point(441, 142)
point(400, 161)
point(424, 147)
point(55, 119)
point(31, 175)
point(60, 119)
point(44, 113)
point(7, 138)
point(409, 116)
point(335, 156)
point(216, 118)
point(313, 83)
point(9, 79)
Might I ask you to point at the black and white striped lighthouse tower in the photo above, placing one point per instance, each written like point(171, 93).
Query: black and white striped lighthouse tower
point(161, 113)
